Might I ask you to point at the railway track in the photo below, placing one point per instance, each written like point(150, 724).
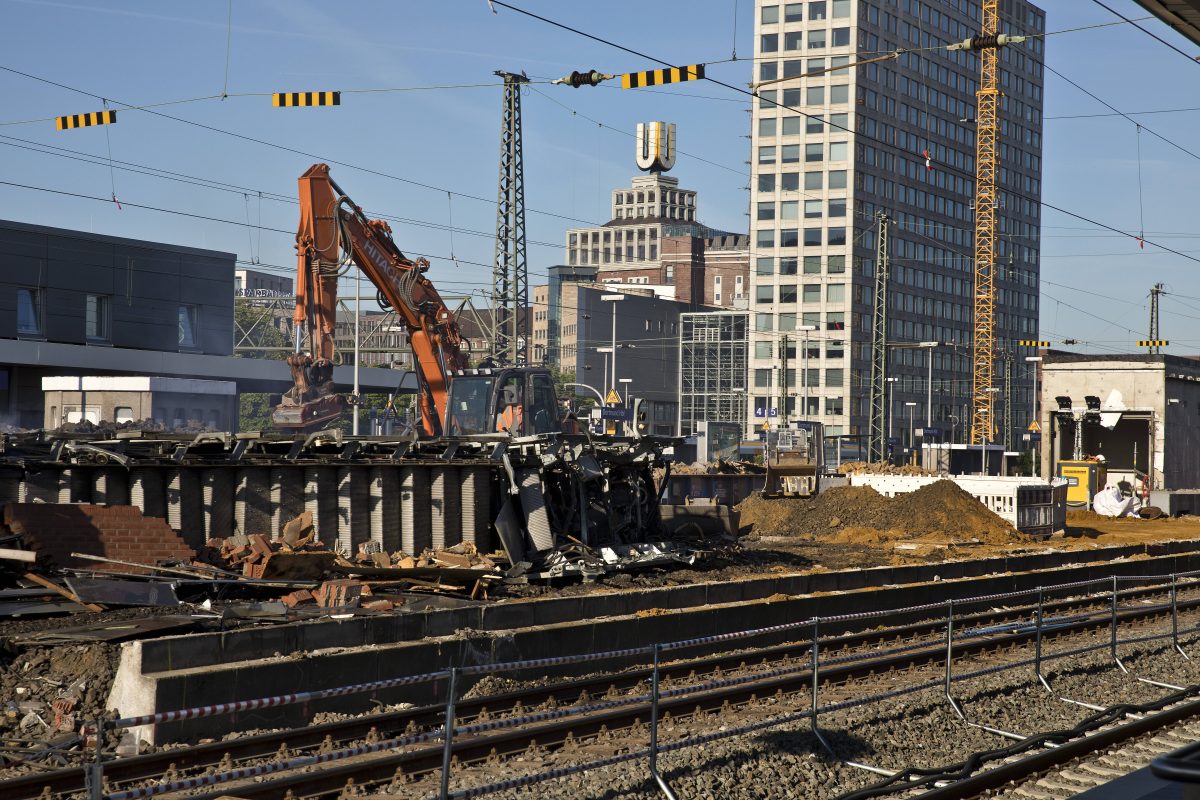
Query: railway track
point(918, 641)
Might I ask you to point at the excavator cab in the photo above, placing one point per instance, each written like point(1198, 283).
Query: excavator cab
point(519, 401)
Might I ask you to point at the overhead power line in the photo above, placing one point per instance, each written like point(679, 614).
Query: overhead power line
point(1151, 34)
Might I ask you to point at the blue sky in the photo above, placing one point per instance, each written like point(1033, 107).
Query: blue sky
point(137, 53)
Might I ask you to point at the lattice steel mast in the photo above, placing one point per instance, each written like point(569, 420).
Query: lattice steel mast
point(510, 275)
point(876, 418)
point(1155, 292)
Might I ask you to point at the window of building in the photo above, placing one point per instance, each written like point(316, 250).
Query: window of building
point(839, 94)
point(765, 238)
point(768, 70)
point(835, 348)
point(787, 321)
point(837, 151)
point(766, 98)
point(816, 39)
point(791, 97)
point(835, 293)
point(837, 236)
point(188, 330)
point(763, 322)
point(789, 181)
point(840, 61)
point(841, 9)
point(812, 293)
point(815, 96)
point(837, 208)
point(789, 210)
point(96, 318)
point(814, 124)
point(787, 266)
point(766, 126)
point(835, 377)
point(840, 37)
point(815, 65)
point(816, 10)
point(762, 378)
point(811, 318)
point(833, 406)
point(768, 43)
point(766, 182)
point(122, 414)
point(793, 12)
point(837, 179)
point(835, 321)
point(791, 153)
point(793, 40)
point(814, 152)
point(770, 14)
point(766, 210)
point(791, 126)
point(814, 180)
point(787, 294)
point(836, 265)
point(788, 237)
point(812, 237)
point(766, 155)
point(812, 265)
point(764, 265)
point(812, 209)
point(29, 311)
point(793, 68)
point(765, 295)
point(762, 349)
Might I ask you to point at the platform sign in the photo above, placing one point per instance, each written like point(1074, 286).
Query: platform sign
point(772, 412)
point(616, 413)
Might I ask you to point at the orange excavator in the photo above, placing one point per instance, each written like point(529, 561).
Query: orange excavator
point(333, 232)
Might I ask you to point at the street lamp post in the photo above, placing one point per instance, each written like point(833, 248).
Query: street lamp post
point(929, 381)
point(804, 366)
point(891, 382)
point(606, 351)
point(626, 381)
point(983, 443)
point(912, 438)
point(613, 298)
point(1036, 361)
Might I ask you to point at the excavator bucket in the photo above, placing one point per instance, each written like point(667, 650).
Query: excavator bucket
point(311, 416)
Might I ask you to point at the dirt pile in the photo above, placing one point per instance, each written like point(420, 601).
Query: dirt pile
point(51, 691)
point(940, 511)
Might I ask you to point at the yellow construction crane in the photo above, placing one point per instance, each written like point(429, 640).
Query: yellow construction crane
point(988, 41)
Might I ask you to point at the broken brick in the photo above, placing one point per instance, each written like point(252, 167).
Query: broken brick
point(339, 593)
point(297, 598)
point(260, 545)
point(378, 605)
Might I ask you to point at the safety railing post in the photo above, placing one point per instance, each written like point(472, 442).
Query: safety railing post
point(1037, 644)
point(1175, 617)
point(95, 770)
point(448, 731)
point(815, 678)
point(654, 696)
point(1113, 638)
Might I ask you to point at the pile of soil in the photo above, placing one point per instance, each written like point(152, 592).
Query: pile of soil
point(875, 468)
point(940, 511)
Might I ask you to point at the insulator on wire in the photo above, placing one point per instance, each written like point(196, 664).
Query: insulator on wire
point(587, 78)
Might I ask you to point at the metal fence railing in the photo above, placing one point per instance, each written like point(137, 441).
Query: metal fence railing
point(1105, 588)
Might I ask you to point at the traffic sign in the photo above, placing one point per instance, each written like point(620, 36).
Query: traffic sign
point(613, 397)
point(1034, 427)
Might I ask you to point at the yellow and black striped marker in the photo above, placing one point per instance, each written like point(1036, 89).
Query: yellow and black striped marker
point(303, 99)
point(657, 77)
point(1033, 343)
point(85, 120)
point(1153, 343)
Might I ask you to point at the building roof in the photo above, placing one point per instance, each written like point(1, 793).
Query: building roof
point(1181, 16)
point(1189, 363)
point(100, 237)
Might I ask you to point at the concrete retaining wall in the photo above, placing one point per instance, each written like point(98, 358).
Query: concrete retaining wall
point(186, 671)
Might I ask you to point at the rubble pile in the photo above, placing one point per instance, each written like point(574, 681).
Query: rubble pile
point(939, 511)
point(881, 468)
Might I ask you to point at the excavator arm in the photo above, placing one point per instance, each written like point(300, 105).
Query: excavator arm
point(333, 231)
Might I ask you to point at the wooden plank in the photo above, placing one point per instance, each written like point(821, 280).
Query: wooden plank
point(54, 587)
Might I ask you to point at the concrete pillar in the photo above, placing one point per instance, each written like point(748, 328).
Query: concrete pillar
point(110, 486)
point(354, 524)
point(147, 492)
point(216, 487)
point(287, 495)
point(383, 503)
point(445, 508)
point(414, 510)
point(185, 505)
point(476, 507)
point(252, 501)
point(320, 498)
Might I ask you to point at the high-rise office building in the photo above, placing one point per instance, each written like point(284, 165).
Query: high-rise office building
point(835, 145)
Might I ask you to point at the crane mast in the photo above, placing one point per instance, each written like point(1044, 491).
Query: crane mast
point(983, 417)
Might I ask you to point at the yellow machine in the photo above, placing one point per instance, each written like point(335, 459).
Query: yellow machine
point(1084, 479)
